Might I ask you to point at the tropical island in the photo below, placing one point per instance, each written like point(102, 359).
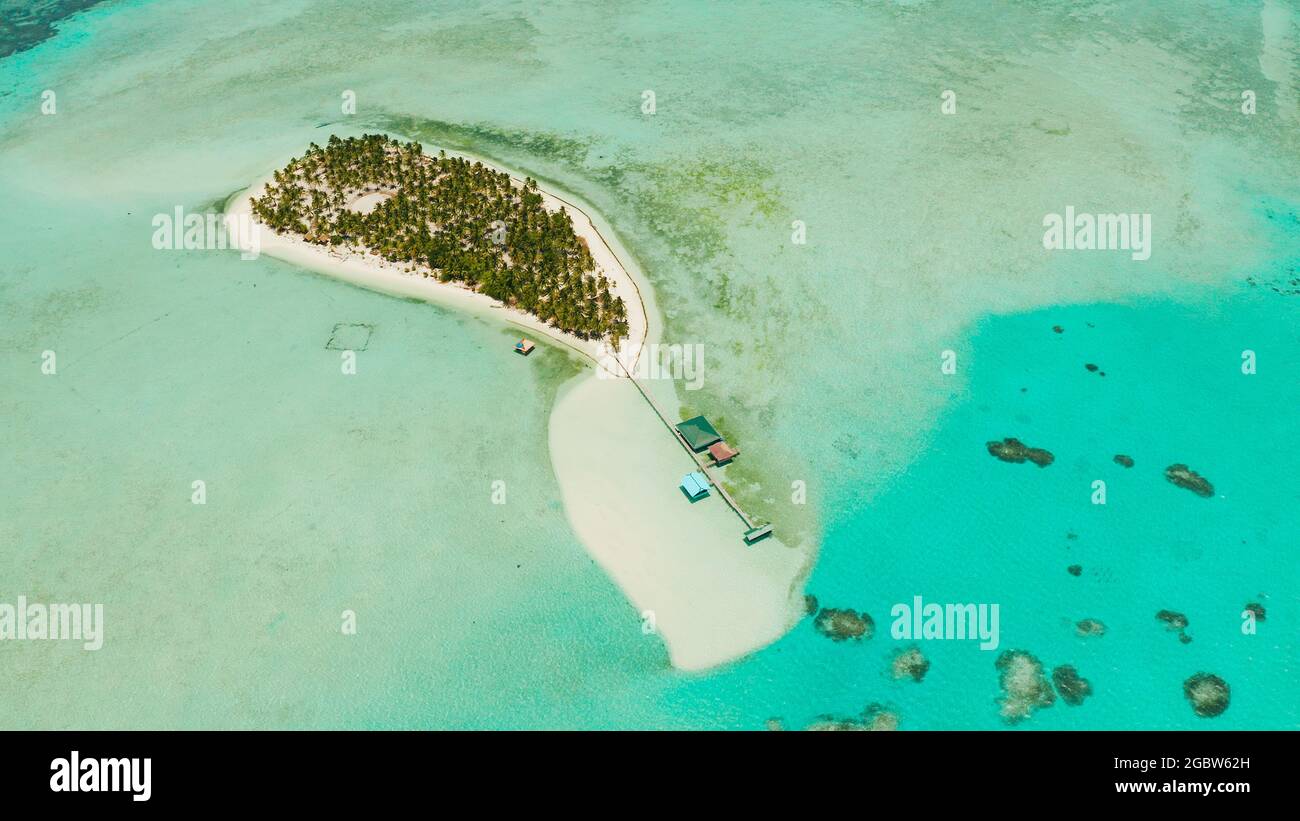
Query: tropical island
point(449, 219)
point(462, 232)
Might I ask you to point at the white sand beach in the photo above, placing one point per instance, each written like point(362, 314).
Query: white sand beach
point(376, 273)
point(683, 565)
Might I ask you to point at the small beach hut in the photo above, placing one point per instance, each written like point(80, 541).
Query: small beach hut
point(524, 346)
point(698, 433)
point(722, 453)
point(695, 485)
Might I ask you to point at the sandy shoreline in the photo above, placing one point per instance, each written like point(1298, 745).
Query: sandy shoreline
point(683, 566)
point(376, 273)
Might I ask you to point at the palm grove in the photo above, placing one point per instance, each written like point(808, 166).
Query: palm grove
point(449, 218)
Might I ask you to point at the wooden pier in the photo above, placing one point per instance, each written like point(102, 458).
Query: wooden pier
point(695, 457)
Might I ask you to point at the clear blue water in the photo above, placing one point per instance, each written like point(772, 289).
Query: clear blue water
point(960, 526)
point(371, 494)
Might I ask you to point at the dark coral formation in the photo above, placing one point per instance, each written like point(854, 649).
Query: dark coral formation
point(910, 662)
point(1024, 687)
point(809, 604)
point(1185, 477)
point(1091, 367)
point(1172, 619)
point(1089, 627)
point(1072, 687)
point(875, 718)
point(1282, 285)
point(879, 718)
point(1126, 461)
point(829, 723)
point(1257, 609)
point(1075, 570)
point(1013, 450)
point(1208, 693)
point(1175, 621)
point(845, 624)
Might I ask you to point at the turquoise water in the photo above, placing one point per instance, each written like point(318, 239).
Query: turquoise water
point(963, 527)
point(372, 492)
point(28, 22)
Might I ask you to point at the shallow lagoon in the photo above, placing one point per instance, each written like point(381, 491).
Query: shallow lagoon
point(326, 494)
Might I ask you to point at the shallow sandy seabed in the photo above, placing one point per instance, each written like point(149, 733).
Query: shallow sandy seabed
point(684, 566)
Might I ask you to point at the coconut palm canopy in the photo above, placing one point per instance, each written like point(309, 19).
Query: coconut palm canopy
point(449, 218)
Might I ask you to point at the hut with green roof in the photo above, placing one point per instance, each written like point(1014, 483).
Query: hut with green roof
point(698, 433)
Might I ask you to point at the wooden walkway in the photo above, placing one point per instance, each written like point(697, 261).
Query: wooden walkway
point(695, 457)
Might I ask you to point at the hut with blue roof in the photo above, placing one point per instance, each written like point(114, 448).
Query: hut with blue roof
point(695, 486)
